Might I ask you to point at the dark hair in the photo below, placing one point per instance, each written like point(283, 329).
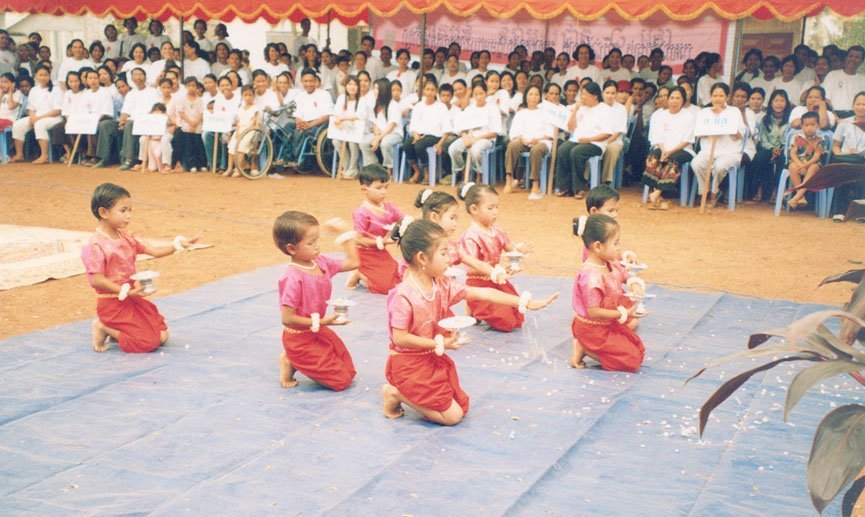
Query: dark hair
point(525, 103)
point(436, 202)
point(792, 59)
point(576, 53)
point(609, 83)
point(681, 92)
point(401, 52)
point(599, 195)
point(97, 44)
point(159, 107)
point(192, 80)
point(722, 86)
point(759, 90)
point(137, 45)
point(551, 85)
point(382, 101)
point(772, 59)
point(599, 228)
point(811, 115)
point(638, 80)
point(769, 119)
point(446, 88)
point(105, 196)
point(419, 237)
point(593, 89)
point(9, 77)
point(48, 70)
point(472, 196)
point(290, 227)
point(373, 172)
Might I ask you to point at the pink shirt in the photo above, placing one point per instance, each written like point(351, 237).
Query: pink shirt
point(408, 310)
point(596, 287)
point(371, 223)
point(112, 258)
point(484, 246)
point(305, 292)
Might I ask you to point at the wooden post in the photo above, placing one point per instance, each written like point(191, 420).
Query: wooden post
point(74, 150)
point(146, 154)
point(215, 152)
point(708, 186)
point(468, 172)
point(551, 175)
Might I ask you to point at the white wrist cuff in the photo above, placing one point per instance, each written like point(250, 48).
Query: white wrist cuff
point(497, 274)
point(316, 319)
point(178, 244)
point(440, 344)
point(379, 243)
point(525, 298)
point(344, 237)
point(124, 292)
point(628, 254)
point(623, 314)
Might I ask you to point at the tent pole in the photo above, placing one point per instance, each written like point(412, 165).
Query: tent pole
point(182, 55)
point(546, 35)
point(737, 52)
point(422, 47)
point(328, 31)
point(804, 28)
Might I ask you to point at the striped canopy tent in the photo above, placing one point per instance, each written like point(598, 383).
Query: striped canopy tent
point(351, 12)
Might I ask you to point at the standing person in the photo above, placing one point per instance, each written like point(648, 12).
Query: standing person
point(615, 72)
point(109, 259)
point(590, 127)
point(204, 44)
point(138, 59)
point(429, 126)
point(769, 80)
point(373, 64)
point(44, 105)
point(671, 135)
point(240, 145)
point(188, 115)
point(111, 43)
point(843, 85)
point(272, 66)
point(529, 132)
point(156, 38)
point(309, 345)
point(303, 39)
point(728, 148)
point(130, 37)
point(752, 61)
point(790, 81)
point(714, 69)
point(403, 74)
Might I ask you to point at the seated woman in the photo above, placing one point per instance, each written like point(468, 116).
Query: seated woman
point(849, 147)
point(386, 129)
point(486, 120)
point(529, 132)
point(815, 100)
point(763, 171)
point(590, 126)
point(671, 135)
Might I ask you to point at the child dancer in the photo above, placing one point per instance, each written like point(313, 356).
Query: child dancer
point(418, 373)
point(486, 242)
point(605, 319)
point(806, 151)
point(310, 346)
point(109, 259)
point(372, 219)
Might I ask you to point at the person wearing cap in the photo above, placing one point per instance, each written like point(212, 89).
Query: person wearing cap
point(314, 107)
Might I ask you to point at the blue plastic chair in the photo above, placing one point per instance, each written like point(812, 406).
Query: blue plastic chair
point(489, 165)
point(544, 176)
point(735, 187)
point(594, 171)
point(434, 168)
point(683, 186)
point(823, 198)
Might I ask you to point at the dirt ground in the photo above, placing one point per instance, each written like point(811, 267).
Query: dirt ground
point(747, 252)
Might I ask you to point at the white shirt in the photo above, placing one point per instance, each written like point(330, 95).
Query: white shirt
point(850, 136)
point(649, 75)
point(129, 66)
point(274, 70)
point(798, 111)
point(430, 119)
point(127, 42)
point(592, 122)
point(704, 89)
point(842, 88)
point(619, 119)
point(73, 103)
point(474, 72)
point(226, 107)
point(406, 79)
point(300, 41)
point(794, 89)
point(375, 68)
point(218, 69)
point(204, 44)
point(217, 41)
point(619, 75)
point(531, 125)
point(768, 86)
point(197, 68)
point(140, 102)
point(447, 78)
point(312, 106)
point(71, 65)
point(112, 49)
point(591, 71)
point(807, 75)
point(560, 78)
point(392, 116)
point(41, 101)
point(156, 41)
point(488, 114)
point(670, 130)
point(268, 99)
point(350, 108)
point(100, 102)
point(11, 114)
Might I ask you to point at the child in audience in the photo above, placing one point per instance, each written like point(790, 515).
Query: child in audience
point(372, 220)
point(311, 347)
point(486, 242)
point(418, 372)
point(10, 102)
point(248, 117)
point(109, 259)
point(605, 319)
point(155, 159)
point(806, 152)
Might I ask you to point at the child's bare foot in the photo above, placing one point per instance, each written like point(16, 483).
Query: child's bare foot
point(99, 336)
point(353, 280)
point(577, 356)
point(391, 406)
point(286, 372)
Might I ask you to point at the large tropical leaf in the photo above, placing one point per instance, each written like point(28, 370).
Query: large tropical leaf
point(853, 275)
point(832, 175)
point(729, 387)
point(814, 374)
point(851, 329)
point(779, 349)
point(805, 326)
point(838, 453)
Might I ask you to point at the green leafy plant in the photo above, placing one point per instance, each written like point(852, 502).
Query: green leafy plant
point(838, 451)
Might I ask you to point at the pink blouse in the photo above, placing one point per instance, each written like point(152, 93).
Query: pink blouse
point(371, 223)
point(305, 292)
point(485, 246)
point(408, 310)
point(112, 258)
point(596, 287)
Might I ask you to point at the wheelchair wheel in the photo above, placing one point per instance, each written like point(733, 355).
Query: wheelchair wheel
point(324, 153)
point(260, 156)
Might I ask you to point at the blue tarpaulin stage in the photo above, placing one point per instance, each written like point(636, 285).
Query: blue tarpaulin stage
point(204, 427)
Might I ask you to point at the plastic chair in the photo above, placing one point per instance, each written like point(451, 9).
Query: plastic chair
point(823, 198)
point(434, 168)
point(594, 171)
point(683, 186)
point(399, 163)
point(735, 188)
point(544, 176)
point(489, 165)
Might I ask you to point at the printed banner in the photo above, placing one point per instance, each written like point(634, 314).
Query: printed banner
point(149, 125)
point(351, 131)
point(679, 40)
point(82, 124)
point(716, 124)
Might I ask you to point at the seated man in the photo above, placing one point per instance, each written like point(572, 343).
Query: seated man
point(314, 107)
point(139, 101)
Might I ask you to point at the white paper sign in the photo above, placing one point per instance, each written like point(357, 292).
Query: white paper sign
point(556, 114)
point(351, 131)
point(82, 124)
point(217, 123)
point(469, 119)
point(152, 124)
point(710, 123)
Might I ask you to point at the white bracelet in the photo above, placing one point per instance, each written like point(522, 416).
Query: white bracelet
point(315, 322)
point(379, 243)
point(440, 344)
point(497, 272)
point(525, 298)
point(628, 254)
point(178, 244)
point(344, 237)
point(124, 292)
point(623, 314)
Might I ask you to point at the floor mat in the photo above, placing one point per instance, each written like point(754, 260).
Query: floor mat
point(203, 426)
